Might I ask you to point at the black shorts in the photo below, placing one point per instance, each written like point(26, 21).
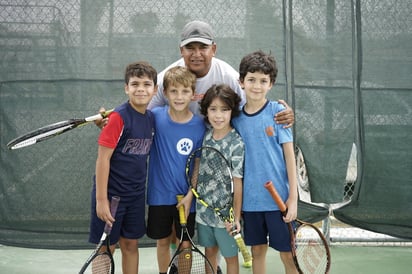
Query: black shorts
point(160, 221)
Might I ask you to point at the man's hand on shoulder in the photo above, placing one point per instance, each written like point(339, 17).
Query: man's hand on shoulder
point(286, 116)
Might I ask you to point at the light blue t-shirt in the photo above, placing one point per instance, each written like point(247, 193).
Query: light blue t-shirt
point(264, 160)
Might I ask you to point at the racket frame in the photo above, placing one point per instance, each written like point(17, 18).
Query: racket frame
point(294, 230)
point(52, 130)
point(247, 258)
point(193, 248)
point(104, 240)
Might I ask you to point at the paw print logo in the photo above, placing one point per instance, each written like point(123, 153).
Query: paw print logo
point(184, 146)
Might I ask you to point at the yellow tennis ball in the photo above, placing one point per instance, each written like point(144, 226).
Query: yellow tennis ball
point(187, 256)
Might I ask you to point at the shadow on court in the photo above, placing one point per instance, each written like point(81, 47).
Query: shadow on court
point(345, 259)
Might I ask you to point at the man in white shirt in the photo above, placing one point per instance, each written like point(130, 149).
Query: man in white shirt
point(198, 50)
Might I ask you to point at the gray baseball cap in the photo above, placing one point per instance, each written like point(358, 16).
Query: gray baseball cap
point(197, 31)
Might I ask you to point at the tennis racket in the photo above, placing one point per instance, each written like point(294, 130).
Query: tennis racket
point(52, 130)
point(188, 260)
point(310, 250)
point(101, 260)
point(215, 175)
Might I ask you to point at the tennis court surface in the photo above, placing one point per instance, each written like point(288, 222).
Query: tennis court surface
point(345, 259)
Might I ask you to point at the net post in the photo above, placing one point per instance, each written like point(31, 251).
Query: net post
point(326, 226)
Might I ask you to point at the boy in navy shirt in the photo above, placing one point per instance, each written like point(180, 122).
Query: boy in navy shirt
point(121, 166)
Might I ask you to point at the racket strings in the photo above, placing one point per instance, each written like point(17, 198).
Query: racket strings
point(192, 261)
point(101, 264)
point(311, 251)
point(215, 180)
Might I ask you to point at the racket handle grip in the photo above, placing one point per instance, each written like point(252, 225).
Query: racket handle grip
point(275, 195)
point(247, 258)
point(98, 116)
point(114, 203)
point(107, 112)
point(182, 217)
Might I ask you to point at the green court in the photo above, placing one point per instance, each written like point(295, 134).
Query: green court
point(345, 259)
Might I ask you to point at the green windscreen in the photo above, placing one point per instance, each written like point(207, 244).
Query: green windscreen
point(344, 67)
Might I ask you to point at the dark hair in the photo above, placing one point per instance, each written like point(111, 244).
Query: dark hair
point(179, 75)
point(258, 61)
point(140, 69)
point(224, 93)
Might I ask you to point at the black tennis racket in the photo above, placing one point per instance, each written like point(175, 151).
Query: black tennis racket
point(52, 130)
point(188, 260)
point(213, 173)
point(101, 260)
point(310, 249)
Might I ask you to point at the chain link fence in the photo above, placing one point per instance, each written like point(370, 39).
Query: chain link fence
point(344, 66)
